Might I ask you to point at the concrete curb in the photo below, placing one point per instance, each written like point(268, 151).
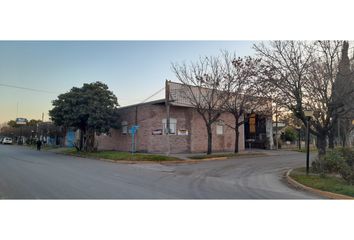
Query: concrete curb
point(180, 161)
point(145, 162)
point(326, 194)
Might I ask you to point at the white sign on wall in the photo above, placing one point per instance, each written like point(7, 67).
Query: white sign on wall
point(182, 132)
point(157, 132)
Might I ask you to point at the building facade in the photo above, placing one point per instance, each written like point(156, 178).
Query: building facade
point(188, 133)
point(187, 130)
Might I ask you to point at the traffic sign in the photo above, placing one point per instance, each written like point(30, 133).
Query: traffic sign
point(21, 121)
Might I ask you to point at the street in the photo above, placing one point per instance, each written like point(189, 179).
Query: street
point(28, 174)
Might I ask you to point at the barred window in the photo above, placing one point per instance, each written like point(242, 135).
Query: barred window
point(124, 127)
point(173, 126)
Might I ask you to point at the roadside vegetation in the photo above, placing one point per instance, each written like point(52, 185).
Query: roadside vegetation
point(118, 156)
point(335, 173)
point(92, 109)
point(339, 161)
point(329, 183)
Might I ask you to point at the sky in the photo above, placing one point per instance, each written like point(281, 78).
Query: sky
point(133, 70)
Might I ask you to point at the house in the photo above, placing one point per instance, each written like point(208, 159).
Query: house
point(188, 132)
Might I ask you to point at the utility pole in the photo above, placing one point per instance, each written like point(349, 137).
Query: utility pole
point(17, 110)
point(136, 124)
point(167, 103)
point(42, 134)
point(276, 126)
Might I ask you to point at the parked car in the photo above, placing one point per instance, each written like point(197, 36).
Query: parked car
point(1, 138)
point(7, 140)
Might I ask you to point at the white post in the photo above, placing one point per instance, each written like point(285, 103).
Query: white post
point(269, 131)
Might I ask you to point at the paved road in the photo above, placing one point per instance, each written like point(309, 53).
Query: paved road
point(28, 174)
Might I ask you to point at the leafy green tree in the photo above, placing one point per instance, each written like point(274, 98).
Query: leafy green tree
point(290, 134)
point(12, 123)
point(92, 109)
point(33, 122)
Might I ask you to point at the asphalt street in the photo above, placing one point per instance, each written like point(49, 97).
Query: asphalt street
point(29, 174)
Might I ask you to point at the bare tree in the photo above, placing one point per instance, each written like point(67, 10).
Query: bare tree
point(203, 87)
point(343, 86)
point(242, 75)
point(303, 75)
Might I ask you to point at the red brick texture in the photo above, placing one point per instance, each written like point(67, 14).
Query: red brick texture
point(150, 116)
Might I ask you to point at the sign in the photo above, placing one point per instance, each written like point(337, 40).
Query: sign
point(21, 121)
point(252, 123)
point(182, 132)
point(157, 132)
point(133, 129)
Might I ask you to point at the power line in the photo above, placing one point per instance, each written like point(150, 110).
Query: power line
point(153, 95)
point(25, 88)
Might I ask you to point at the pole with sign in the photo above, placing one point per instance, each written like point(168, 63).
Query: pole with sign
point(133, 131)
point(21, 122)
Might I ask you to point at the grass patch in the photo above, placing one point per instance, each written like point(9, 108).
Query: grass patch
point(326, 183)
point(115, 155)
point(227, 155)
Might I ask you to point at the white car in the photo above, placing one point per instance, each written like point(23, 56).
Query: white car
point(7, 140)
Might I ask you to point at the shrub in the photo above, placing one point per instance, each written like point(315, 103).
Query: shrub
point(290, 134)
point(347, 173)
point(338, 160)
point(348, 155)
point(333, 161)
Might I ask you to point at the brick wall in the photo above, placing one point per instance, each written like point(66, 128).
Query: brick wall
point(150, 117)
point(224, 142)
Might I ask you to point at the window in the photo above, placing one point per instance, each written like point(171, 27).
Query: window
point(173, 126)
point(124, 127)
point(220, 128)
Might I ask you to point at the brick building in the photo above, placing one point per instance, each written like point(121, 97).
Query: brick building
point(187, 129)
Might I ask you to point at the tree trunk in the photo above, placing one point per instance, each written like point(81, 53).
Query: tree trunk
point(321, 145)
point(237, 136)
point(210, 139)
point(331, 139)
point(81, 142)
point(344, 140)
point(90, 141)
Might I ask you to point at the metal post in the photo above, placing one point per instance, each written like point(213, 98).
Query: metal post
point(167, 102)
point(133, 136)
point(20, 135)
point(136, 124)
point(308, 147)
point(299, 138)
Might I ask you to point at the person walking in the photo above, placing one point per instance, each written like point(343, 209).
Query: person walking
point(39, 144)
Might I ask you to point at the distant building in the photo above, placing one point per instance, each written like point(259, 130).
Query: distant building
point(188, 130)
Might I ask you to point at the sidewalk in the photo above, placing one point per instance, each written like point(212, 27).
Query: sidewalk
point(255, 152)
